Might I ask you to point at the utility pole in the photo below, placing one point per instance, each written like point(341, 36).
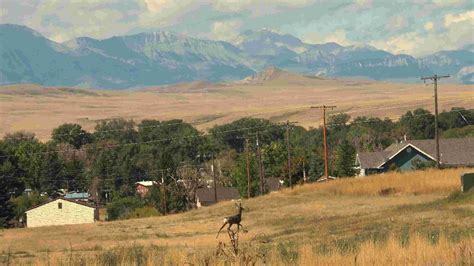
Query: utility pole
point(214, 178)
point(435, 79)
point(163, 204)
point(304, 173)
point(324, 107)
point(247, 159)
point(260, 166)
point(289, 151)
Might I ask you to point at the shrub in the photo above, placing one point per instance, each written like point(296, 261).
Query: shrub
point(121, 208)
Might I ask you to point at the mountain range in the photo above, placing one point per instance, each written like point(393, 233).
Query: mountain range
point(157, 58)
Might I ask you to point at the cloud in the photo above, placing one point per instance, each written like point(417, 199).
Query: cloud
point(3, 12)
point(226, 30)
point(159, 6)
point(428, 26)
point(395, 23)
point(389, 25)
point(339, 36)
point(444, 3)
point(258, 6)
point(457, 18)
point(418, 43)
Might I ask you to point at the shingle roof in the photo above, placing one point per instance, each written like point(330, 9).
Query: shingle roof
point(223, 193)
point(372, 159)
point(456, 151)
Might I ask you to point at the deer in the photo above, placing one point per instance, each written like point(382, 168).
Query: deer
point(234, 219)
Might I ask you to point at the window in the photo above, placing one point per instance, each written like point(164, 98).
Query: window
point(60, 205)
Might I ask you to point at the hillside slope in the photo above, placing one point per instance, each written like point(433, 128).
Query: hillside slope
point(340, 216)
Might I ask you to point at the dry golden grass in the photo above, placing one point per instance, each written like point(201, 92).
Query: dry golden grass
point(417, 251)
point(328, 223)
point(288, 96)
point(421, 182)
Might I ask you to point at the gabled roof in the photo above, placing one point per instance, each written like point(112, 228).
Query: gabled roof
point(50, 201)
point(223, 193)
point(456, 151)
point(368, 160)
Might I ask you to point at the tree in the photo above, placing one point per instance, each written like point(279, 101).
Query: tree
point(419, 124)
point(239, 175)
point(119, 130)
point(6, 209)
point(231, 135)
point(120, 208)
point(456, 118)
point(24, 202)
point(72, 134)
point(345, 158)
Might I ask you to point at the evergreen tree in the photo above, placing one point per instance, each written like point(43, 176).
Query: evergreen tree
point(345, 158)
point(6, 210)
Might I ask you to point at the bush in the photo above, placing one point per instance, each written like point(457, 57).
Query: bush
point(122, 207)
point(143, 212)
point(23, 203)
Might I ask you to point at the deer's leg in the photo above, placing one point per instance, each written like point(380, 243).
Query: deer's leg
point(221, 229)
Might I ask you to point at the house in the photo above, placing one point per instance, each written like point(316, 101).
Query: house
point(60, 212)
point(143, 187)
point(272, 184)
point(456, 152)
point(77, 196)
point(205, 196)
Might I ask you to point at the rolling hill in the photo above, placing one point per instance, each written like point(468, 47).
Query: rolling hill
point(414, 215)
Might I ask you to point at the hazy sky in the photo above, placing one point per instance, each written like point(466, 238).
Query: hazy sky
point(415, 27)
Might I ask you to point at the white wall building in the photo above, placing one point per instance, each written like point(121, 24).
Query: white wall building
point(60, 212)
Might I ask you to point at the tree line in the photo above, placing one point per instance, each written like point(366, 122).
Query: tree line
point(108, 161)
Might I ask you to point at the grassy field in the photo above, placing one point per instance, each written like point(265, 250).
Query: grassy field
point(413, 218)
point(275, 95)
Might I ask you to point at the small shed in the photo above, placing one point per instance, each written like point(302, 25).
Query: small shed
point(143, 187)
point(205, 196)
point(60, 212)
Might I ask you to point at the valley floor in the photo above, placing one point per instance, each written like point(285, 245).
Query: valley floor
point(288, 96)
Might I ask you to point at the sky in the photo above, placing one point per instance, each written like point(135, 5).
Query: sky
point(415, 27)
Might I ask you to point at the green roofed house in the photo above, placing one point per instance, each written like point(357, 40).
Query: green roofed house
point(406, 155)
